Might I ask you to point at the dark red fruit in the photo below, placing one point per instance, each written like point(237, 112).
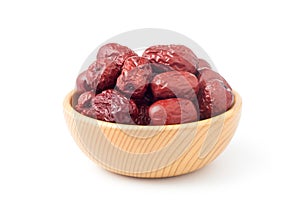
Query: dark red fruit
point(134, 61)
point(113, 53)
point(214, 98)
point(208, 74)
point(101, 77)
point(81, 83)
point(174, 84)
point(84, 101)
point(147, 99)
point(172, 57)
point(110, 105)
point(85, 98)
point(90, 112)
point(160, 88)
point(135, 77)
point(203, 64)
point(172, 111)
point(142, 117)
point(103, 73)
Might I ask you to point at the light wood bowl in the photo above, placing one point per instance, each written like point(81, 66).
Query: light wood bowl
point(152, 151)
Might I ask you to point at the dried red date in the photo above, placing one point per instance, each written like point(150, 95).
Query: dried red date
point(103, 73)
point(84, 101)
point(135, 77)
point(81, 83)
point(160, 68)
point(90, 112)
point(208, 74)
point(214, 98)
point(85, 98)
point(175, 94)
point(84, 104)
point(101, 76)
point(172, 57)
point(112, 106)
point(148, 98)
point(142, 117)
point(134, 61)
point(114, 53)
point(172, 111)
point(174, 84)
point(203, 64)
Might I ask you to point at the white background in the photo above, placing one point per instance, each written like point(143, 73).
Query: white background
point(254, 44)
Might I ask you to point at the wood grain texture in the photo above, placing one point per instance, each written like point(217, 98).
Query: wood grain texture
point(152, 151)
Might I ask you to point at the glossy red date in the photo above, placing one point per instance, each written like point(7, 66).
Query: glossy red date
point(174, 84)
point(172, 111)
point(208, 74)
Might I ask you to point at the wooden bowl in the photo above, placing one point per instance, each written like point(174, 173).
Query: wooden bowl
point(152, 151)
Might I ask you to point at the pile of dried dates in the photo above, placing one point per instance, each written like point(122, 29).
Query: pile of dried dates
point(168, 84)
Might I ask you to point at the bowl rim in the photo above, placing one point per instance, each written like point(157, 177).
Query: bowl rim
point(235, 106)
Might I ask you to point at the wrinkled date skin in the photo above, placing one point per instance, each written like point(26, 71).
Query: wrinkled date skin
point(85, 98)
point(172, 57)
point(214, 98)
point(172, 111)
point(174, 84)
point(110, 105)
point(203, 64)
point(167, 85)
point(101, 77)
point(84, 103)
point(142, 117)
point(135, 77)
point(147, 99)
point(81, 83)
point(103, 73)
point(208, 74)
point(134, 61)
point(114, 53)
